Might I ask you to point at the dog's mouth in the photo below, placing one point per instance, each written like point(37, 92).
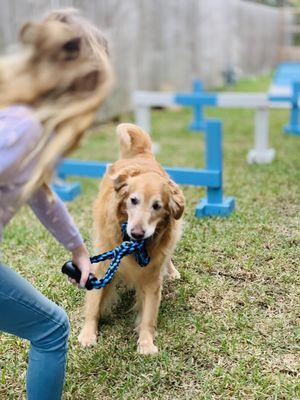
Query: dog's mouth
point(150, 234)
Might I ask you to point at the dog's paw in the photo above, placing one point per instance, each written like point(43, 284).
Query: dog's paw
point(87, 337)
point(147, 348)
point(174, 274)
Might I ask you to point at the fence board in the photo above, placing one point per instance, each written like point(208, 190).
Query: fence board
point(163, 44)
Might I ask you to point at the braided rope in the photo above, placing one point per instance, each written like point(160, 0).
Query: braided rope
point(127, 247)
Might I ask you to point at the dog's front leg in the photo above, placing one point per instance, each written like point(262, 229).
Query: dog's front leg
point(150, 297)
point(88, 334)
point(93, 302)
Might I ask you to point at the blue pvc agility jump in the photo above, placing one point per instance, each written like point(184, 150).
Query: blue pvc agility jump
point(214, 204)
point(286, 88)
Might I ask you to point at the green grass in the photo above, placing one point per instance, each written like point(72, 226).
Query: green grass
point(229, 329)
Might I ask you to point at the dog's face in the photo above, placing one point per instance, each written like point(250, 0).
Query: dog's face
point(148, 199)
point(54, 41)
point(58, 59)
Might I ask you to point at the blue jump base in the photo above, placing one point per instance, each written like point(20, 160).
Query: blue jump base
point(292, 130)
point(223, 209)
point(214, 204)
point(67, 191)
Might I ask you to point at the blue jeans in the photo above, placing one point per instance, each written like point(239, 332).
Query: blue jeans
point(25, 312)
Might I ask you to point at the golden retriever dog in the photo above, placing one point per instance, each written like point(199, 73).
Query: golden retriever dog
point(135, 189)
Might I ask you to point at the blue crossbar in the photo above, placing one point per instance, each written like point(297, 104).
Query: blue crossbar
point(280, 98)
point(194, 99)
point(195, 177)
point(91, 169)
point(183, 176)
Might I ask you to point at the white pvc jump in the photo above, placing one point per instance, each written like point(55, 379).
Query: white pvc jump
point(261, 152)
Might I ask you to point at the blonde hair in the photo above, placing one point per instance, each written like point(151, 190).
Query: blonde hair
point(63, 72)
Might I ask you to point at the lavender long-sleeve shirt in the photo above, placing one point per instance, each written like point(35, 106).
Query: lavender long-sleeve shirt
point(19, 133)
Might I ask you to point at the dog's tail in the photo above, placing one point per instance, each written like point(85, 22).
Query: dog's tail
point(133, 140)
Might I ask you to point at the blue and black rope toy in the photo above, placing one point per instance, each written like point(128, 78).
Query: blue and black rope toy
point(128, 246)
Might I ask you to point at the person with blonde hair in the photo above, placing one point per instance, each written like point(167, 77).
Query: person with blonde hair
point(50, 92)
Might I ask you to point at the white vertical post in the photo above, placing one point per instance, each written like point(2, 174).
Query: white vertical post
point(261, 154)
point(142, 117)
point(261, 129)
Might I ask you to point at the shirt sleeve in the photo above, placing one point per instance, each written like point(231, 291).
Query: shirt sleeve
point(55, 217)
point(19, 132)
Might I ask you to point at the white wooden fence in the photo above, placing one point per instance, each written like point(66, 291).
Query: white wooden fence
point(163, 44)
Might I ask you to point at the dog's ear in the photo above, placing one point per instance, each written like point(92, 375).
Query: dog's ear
point(120, 180)
point(29, 33)
point(176, 200)
point(87, 83)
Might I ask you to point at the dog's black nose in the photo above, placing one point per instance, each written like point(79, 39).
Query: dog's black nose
point(137, 234)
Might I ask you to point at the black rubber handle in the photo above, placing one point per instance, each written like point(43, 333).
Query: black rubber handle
point(73, 272)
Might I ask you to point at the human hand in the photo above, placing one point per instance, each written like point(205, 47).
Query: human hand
point(80, 257)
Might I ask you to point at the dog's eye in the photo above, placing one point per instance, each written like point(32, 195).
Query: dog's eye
point(156, 206)
point(134, 201)
point(72, 48)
